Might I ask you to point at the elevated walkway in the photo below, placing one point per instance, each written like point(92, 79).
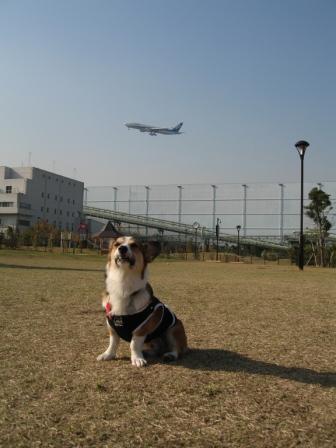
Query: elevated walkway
point(173, 226)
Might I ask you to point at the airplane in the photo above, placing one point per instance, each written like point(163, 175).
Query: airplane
point(152, 130)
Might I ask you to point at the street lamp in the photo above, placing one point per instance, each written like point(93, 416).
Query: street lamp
point(115, 198)
point(238, 240)
point(85, 196)
point(301, 147)
point(147, 207)
point(196, 226)
point(217, 236)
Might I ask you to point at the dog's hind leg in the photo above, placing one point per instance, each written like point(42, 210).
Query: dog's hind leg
point(111, 351)
point(176, 341)
point(156, 347)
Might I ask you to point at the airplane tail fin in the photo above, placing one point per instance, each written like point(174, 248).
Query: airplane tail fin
point(178, 127)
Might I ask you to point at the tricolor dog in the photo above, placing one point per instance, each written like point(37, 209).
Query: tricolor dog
point(133, 313)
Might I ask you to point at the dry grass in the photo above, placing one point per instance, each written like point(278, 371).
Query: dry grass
point(260, 373)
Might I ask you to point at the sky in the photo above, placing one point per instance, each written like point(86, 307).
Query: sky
point(247, 78)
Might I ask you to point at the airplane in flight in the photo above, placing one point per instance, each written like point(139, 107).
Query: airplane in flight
point(153, 130)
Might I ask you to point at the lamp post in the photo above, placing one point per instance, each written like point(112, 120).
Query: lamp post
point(196, 226)
point(238, 240)
point(214, 188)
point(85, 196)
point(217, 236)
point(147, 207)
point(180, 188)
point(301, 147)
point(115, 198)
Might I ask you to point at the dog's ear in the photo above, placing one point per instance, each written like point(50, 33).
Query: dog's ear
point(151, 250)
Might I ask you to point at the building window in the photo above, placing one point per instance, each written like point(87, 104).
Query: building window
point(67, 213)
point(24, 222)
point(6, 204)
point(68, 201)
point(42, 209)
point(42, 195)
point(55, 211)
point(60, 212)
point(25, 205)
point(73, 201)
point(72, 227)
point(8, 188)
point(61, 198)
point(72, 214)
point(47, 209)
point(48, 195)
point(55, 197)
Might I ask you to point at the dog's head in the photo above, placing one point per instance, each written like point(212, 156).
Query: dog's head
point(126, 253)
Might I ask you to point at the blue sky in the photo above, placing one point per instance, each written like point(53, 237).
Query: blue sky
point(248, 78)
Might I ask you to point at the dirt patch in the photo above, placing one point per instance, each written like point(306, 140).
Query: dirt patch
point(260, 372)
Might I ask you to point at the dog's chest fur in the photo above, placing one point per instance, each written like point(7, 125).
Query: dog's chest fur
point(122, 287)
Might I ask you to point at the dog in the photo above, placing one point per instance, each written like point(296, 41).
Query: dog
point(133, 313)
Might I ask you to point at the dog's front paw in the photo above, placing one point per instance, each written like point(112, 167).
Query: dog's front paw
point(138, 361)
point(106, 356)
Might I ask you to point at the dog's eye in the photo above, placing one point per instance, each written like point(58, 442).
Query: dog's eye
point(133, 246)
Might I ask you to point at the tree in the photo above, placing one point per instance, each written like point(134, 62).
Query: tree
point(318, 210)
point(40, 234)
point(12, 237)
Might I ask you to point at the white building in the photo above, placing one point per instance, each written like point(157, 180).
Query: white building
point(29, 194)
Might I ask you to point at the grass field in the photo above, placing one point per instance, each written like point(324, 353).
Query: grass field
point(260, 372)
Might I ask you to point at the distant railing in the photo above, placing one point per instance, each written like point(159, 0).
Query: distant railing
point(180, 228)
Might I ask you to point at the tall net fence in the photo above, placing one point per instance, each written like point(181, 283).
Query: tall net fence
point(262, 210)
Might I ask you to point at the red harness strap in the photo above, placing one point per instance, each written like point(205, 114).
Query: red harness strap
point(108, 308)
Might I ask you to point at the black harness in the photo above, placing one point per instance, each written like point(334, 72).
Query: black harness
point(126, 324)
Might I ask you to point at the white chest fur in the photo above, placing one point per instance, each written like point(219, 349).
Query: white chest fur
point(121, 286)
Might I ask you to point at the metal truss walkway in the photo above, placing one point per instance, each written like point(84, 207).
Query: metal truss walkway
point(179, 228)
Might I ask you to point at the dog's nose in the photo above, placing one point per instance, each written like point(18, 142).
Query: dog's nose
point(123, 250)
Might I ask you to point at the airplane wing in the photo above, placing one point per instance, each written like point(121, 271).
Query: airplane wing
point(158, 129)
point(145, 129)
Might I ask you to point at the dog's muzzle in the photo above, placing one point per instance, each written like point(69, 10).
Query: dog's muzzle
point(124, 256)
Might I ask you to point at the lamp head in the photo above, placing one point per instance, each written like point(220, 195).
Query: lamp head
point(301, 147)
